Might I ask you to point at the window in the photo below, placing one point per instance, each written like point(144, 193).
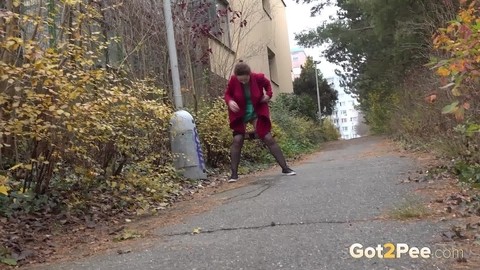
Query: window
point(222, 13)
point(353, 119)
point(219, 16)
point(342, 103)
point(295, 58)
point(272, 65)
point(345, 128)
point(344, 120)
point(344, 112)
point(335, 121)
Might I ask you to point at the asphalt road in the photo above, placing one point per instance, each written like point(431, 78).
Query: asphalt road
point(307, 221)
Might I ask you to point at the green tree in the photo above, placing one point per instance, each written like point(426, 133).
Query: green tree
point(300, 105)
point(306, 85)
point(376, 43)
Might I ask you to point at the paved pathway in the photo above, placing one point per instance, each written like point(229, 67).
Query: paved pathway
point(335, 201)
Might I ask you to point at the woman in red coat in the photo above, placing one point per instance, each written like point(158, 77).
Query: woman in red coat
point(248, 103)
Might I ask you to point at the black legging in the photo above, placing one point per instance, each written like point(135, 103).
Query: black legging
point(268, 140)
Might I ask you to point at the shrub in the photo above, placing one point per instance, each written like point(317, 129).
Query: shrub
point(215, 133)
point(329, 131)
point(66, 121)
point(379, 112)
point(216, 136)
point(298, 105)
point(301, 134)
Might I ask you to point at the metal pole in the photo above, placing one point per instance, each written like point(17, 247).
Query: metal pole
point(172, 51)
point(318, 94)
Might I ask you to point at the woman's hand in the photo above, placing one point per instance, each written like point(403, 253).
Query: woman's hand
point(233, 106)
point(265, 99)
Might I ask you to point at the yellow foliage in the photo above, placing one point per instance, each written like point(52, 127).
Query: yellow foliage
point(444, 72)
point(4, 190)
point(459, 40)
point(65, 111)
point(215, 134)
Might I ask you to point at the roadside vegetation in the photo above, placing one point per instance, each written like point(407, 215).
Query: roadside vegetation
point(86, 101)
point(414, 67)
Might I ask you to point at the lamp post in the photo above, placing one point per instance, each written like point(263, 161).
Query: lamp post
point(184, 138)
point(172, 53)
point(318, 91)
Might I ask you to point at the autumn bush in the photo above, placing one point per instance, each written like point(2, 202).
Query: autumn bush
point(215, 134)
point(66, 121)
point(439, 110)
point(459, 69)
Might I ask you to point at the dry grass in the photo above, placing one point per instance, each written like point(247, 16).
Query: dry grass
point(412, 208)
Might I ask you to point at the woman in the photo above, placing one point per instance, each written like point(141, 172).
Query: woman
point(247, 103)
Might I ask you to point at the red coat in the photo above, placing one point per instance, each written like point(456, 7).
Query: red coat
point(234, 91)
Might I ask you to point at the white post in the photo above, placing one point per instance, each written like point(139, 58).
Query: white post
point(172, 52)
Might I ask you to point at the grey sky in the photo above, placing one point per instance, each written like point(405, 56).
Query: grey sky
point(299, 19)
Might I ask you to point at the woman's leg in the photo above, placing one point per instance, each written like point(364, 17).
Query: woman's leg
point(275, 150)
point(235, 153)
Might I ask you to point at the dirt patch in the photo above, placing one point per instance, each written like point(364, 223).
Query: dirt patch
point(380, 148)
point(450, 202)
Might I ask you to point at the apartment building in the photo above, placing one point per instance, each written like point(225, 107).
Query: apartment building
point(299, 57)
point(345, 116)
point(258, 35)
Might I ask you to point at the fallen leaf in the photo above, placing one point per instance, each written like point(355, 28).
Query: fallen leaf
point(4, 190)
point(128, 234)
point(197, 230)
point(444, 72)
point(431, 98)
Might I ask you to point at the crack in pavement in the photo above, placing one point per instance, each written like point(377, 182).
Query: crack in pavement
point(262, 189)
point(273, 224)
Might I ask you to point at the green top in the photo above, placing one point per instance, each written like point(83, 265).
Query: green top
point(249, 112)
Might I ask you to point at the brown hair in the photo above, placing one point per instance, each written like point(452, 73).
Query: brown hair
point(241, 68)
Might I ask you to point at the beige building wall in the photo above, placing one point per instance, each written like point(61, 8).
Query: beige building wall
point(263, 43)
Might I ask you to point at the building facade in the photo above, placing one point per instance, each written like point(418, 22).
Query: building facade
point(345, 116)
point(258, 35)
point(299, 57)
